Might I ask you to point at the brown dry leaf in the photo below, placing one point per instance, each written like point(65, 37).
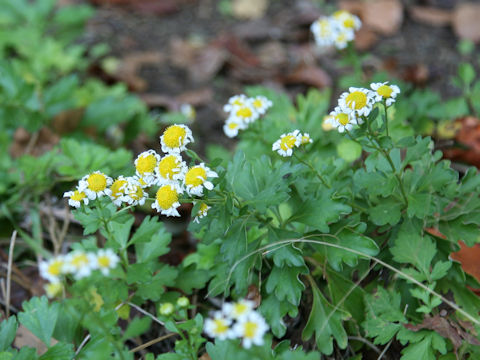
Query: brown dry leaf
point(249, 9)
point(253, 294)
point(196, 97)
point(445, 328)
point(26, 338)
point(382, 16)
point(352, 6)
point(365, 38)
point(435, 232)
point(469, 257)
point(208, 63)
point(417, 74)
point(34, 144)
point(465, 21)
point(272, 54)
point(131, 64)
point(309, 75)
point(182, 52)
point(67, 121)
point(431, 15)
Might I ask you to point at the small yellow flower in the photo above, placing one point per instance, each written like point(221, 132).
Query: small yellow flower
point(170, 169)
point(134, 193)
point(53, 269)
point(218, 327)
point(359, 100)
point(106, 260)
point(117, 190)
point(196, 179)
point(385, 92)
point(284, 146)
point(145, 165)
point(95, 185)
point(175, 139)
point(202, 212)
point(76, 198)
point(166, 199)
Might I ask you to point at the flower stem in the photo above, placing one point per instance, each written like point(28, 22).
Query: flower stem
point(386, 116)
point(319, 176)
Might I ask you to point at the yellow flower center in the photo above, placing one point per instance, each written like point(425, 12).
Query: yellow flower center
point(80, 260)
point(78, 195)
point(168, 167)
point(288, 142)
point(305, 139)
point(341, 37)
point(220, 326)
point(166, 197)
point(342, 118)
point(244, 112)
point(97, 182)
point(238, 102)
point(174, 136)
point(232, 126)
point(136, 194)
point(116, 186)
point(203, 209)
point(146, 164)
point(385, 91)
point(195, 176)
point(257, 103)
point(349, 23)
point(250, 329)
point(103, 261)
point(55, 268)
point(356, 100)
point(53, 289)
point(239, 309)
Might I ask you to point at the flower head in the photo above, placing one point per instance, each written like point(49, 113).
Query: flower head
point(347, 20)
point(105, 260)
point(171, 168)
point(52, 269)
point(342, 38)
point(324, 31)
point(95, 185)
point(80, 264)
point(234, 102)
point(196, 179)
point(284, 146)
point(202, 212)
point(251, 328)
point(218, 327)
point(175, 139)
point(117, 192)
point(306, 139)
point(53, 289)
point(166, 199)
point(261, 104)
point(245, 113)
point(76, 198)
point(134, 192)
point(232, 126)
point(342, 119)
point(385, 92)
point(145, 165)
point(238, 310)
point(359, 100)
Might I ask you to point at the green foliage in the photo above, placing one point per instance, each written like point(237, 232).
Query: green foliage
point(39, 317)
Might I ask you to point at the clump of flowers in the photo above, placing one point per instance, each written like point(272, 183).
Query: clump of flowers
point(287, 142)
point(356, 104)
point(237, 321)
point(79, 264)
point(335, 30)
point(169, 173)
point(242, 111)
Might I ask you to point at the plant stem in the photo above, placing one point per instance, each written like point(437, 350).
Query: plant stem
point(386, 116)
point(320, 177)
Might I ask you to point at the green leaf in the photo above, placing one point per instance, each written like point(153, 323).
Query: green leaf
point(326, 322)
point(274, 310)
point(409, 238)
point(387, 212)
point(440, 270)
point(466, 72)
point(39, 317)
point(419, 205)
point(121, 231)
point(8, 329)
point(349, 150)
point(151, 240)
point(137, 327)
point(286, 284)
point(60, 351)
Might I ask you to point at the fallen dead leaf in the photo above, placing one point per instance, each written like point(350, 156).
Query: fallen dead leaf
point(131, 64)
point(383, 16)
point(465, 21)
point(272, 54)
point(417, 74)
point(365, 38)
point(249, 9)
point(352, 6)
point(253, 294)
point(34, 144)
point(309, 75)
point(26, 338)
point(431, 15)
point(469, 258)
point(67, 121)
point(208, 63)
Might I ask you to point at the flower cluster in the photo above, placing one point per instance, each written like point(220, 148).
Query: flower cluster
point(356, 104)
point(77, 263)
point(237, 320)
point(169, 172)
point(336, 30)
point(243, 111)
point(284, 146)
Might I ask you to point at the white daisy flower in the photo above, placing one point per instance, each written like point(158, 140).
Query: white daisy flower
point(245, 113)
point(188, 111)
point(95, 185)
point(170, 168)
point(53, 289)
point(80, 263)
point(359, 100)
point(235, 101)
point(251, 328)
point(232, 126)
point(218, 327)
point(261, 104)
point(196, 179)
point(145, 165)
point(134, 193)
point(346, 20)
point(202, 212)
point(52, 269)
point(118, 190)
point(342, 38)
point(284, 146)
point(166, 309)
point(324, 31)
point(175, 139)
point(386, 92)
point(342, 119)
point(75, 198)
point(105, 260)
point(306, 139)
point(238, 310)
point(166, 199)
